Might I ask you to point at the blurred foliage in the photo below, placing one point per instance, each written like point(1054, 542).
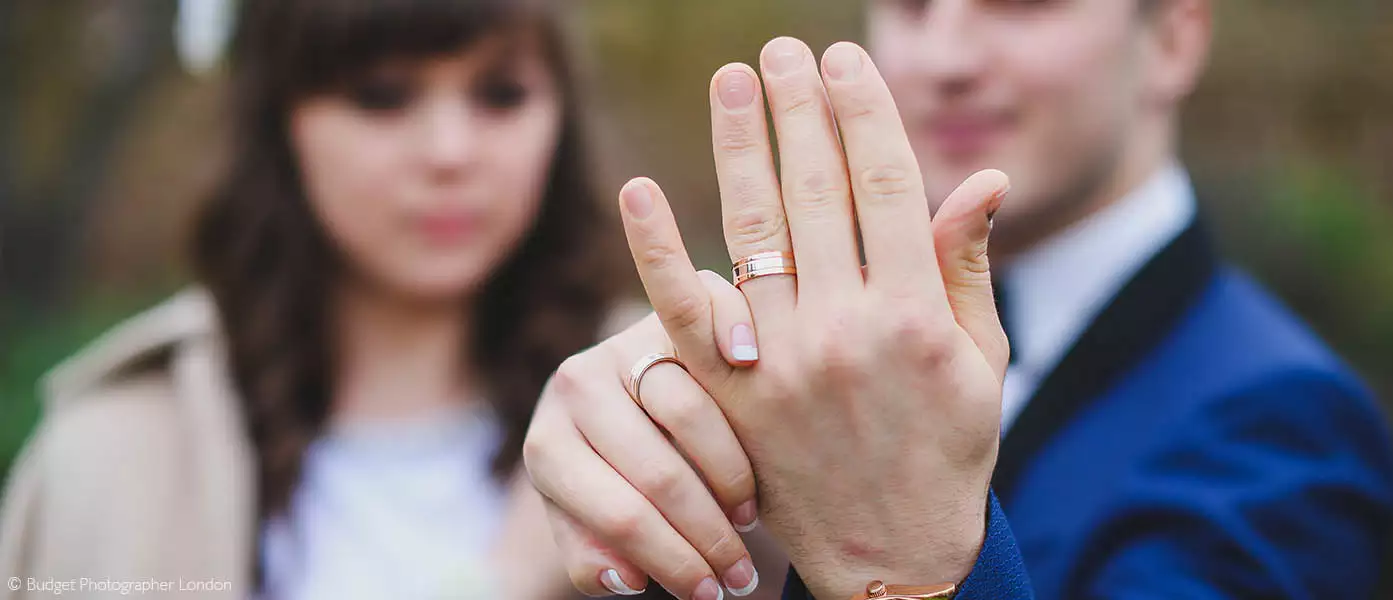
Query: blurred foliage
point(106, 147)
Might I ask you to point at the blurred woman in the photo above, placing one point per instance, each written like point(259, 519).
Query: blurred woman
point(403, 252)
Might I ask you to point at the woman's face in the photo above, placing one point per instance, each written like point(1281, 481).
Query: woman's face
point(426, 175)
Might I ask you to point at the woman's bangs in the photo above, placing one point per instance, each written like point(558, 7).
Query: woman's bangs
point(329, 41)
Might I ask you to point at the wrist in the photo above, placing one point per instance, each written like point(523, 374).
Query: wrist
point(947, 555)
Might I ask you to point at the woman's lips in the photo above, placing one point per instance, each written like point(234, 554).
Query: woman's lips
point(445, 228)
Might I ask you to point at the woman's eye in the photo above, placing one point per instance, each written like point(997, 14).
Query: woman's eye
point(381, 96)
point(502, 95)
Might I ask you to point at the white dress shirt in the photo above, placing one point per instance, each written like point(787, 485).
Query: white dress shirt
point(1059, 286)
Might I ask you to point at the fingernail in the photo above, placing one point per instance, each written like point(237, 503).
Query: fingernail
point(742, 343)
point(610, 579)
point(742, 578)
point(638, 200)
point(745, 517)
point(783, 55)
point(736, 89)
point(996, 206)
point(708, 589)
point(843, 62)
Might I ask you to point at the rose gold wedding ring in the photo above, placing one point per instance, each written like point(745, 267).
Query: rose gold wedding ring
point(641, 368)
point(762, 264)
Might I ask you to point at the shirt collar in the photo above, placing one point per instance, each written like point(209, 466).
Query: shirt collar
point(1060, 285)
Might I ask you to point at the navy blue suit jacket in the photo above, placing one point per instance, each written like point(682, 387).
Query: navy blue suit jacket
point(1196, 442)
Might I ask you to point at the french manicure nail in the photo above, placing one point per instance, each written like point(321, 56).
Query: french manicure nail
point(736, 89)
point(745, 517)
point(843, 62)
point(783, 55)
point(708, 589)
point(741, 578)
point(742, 343)
point(638, 200)
point(613, 583)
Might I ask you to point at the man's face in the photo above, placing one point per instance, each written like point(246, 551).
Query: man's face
point(1048, 91)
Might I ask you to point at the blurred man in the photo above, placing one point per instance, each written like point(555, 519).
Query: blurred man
point(1169, 429)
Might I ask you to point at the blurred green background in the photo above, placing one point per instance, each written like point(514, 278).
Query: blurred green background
point(107, 144)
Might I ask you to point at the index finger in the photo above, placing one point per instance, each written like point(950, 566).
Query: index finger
point(671, 282)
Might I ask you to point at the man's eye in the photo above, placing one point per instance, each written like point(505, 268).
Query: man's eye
point(909, 6)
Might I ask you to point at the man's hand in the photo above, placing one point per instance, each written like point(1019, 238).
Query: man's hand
point(872, 417)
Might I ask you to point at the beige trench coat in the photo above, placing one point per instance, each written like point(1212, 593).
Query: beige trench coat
point(139, 473)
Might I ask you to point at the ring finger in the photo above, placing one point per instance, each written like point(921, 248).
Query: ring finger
point(751, 208)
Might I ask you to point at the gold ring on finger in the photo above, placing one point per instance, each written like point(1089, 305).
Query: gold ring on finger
point(763, 264)
point(641, 368)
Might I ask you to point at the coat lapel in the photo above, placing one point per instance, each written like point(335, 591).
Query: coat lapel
point(1137, 320)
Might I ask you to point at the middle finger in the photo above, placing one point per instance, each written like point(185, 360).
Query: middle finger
point(628, 439)
point(816, 191)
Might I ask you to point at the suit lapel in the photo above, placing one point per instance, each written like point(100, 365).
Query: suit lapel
point(1137, 320)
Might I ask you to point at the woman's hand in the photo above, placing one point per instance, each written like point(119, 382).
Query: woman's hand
point(872, 417)
point(661, 488)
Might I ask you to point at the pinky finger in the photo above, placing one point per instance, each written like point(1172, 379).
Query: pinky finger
point(594, 569)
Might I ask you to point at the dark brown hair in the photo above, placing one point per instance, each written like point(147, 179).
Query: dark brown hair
point(270, 266)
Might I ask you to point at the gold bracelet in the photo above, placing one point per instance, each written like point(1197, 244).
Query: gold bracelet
point(877, 590)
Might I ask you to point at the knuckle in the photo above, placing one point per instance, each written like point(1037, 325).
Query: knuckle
point(622, 525)
point(856, 110)
point(679, 412)
point(934, 354)
point(801, 100)
point(725, 550)
point(740, 484)
point(658, 256)
point(974, 266)
point(738, 138)
point(818, 188)
point(661, 482)
point(568, 383)
point(755, 225)
point(536, 454)
point(563, 383)
point(884, 182)
point(841, 360)
point(687, 313)
point(928, 342)
point(690, 569)
point(910, 326)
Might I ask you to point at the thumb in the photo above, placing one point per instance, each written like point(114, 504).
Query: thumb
point(960, 231)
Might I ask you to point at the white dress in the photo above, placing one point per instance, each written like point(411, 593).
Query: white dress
point(398, 509)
